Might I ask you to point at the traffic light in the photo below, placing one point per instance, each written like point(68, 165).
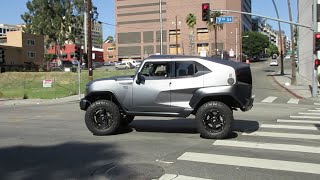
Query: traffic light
point(85, 59)
point(77, 52)
point(205, 11)
point(317, 42)
point(2, 56)
point(316, 64)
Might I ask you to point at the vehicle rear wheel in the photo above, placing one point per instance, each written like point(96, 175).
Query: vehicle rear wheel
point(214, 120)
point(102, 117)
point(126, 120)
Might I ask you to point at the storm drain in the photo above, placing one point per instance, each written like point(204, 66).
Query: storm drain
point(140, 171)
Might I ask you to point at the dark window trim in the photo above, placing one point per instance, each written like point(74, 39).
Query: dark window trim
point(140, 13)
point(141, 21)
point(140, 5)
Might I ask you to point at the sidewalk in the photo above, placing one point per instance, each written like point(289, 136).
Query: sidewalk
point(301, 91)
point(14, 102)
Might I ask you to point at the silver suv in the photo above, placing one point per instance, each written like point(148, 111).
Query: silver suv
point(172, 86)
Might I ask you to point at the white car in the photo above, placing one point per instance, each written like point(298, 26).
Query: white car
point(273, 62)
point(123, 65)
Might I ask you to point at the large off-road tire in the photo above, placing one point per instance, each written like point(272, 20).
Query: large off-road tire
point(103, 117)
point(214, 120)
point(126, 120)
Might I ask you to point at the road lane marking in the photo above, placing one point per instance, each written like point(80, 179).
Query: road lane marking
point(251, 162)
point(269, 146)
point(280, 126)
point(306, 113)
point(293, 101)
point(298, 121)
point(305, 117)
point(314, 110)
point(283, 135)
point(318, 104)
point(269, 99)
point(179, 177)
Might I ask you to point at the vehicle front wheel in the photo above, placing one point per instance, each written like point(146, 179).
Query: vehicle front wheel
point(214, 120)
point(103, 117)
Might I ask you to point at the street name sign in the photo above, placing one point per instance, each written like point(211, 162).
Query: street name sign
point(224, 19)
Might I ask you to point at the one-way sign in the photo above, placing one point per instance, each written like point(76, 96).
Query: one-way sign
point(224, 19)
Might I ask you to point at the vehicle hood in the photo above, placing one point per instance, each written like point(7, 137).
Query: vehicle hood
point(114, 78)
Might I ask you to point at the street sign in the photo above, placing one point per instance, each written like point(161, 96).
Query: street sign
point(47, 83)
point(224, 19)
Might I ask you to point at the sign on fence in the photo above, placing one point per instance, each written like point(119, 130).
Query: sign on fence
point(47, 83)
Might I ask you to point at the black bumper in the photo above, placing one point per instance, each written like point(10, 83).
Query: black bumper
point(84, 104)
point(249, 105)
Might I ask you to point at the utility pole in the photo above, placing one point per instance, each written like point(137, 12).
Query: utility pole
point(85, 27)
point(89, 18)
point(176, 35)
point(280, 38)
point(161, 29)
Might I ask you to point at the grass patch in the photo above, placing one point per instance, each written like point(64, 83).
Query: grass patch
point(20, 85)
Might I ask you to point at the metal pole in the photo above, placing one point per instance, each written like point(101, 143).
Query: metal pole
point(85, 27)
point(236, 43)
point(176, 35)
point(315, 29)
point(280, 38)
point(79, 79)
point(89, 39)
point(161, 28)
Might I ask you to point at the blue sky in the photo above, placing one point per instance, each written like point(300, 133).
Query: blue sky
point(11, 11)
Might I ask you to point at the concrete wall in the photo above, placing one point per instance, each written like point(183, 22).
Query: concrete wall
point(305, 40)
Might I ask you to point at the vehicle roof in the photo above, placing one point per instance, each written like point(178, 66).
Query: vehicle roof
point(212, 59)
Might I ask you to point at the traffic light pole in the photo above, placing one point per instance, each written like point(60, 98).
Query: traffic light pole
point(89, 20)
point(315, 72)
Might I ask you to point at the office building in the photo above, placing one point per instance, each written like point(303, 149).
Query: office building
point(138, 27)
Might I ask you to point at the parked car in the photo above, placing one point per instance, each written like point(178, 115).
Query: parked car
point(274, 62)
point(123, 65)
point(274, 56)
point(109, 64)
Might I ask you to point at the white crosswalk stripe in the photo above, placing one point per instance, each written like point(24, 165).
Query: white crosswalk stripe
point(251, 162)
point(269, 99)
point(180, 177)
point(313, 110)
point(304, 113)
point(283, 135)
point(270, 146)
point(293, 101)
point(305, 117)
point(280, 126)
point(298, 121)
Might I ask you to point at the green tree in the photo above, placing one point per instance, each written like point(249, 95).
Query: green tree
point(110, 39)
point(215, 27)
point(254, 43)
point(191, 21)
point(272, 49)
point(58, 20)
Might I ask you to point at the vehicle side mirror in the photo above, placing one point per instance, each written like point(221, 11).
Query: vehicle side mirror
point(140, 78)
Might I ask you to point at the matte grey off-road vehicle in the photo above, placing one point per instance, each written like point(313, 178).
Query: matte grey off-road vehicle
point(171, 86)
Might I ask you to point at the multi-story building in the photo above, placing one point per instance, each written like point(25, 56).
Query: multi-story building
point(4, 28)
point(96, 34)
point(138, 27)
point(22, 50)
point(109, 52)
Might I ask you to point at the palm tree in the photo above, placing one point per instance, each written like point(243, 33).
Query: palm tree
point(215, 26)
point(191, 21)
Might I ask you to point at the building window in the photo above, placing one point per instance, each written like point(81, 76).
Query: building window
point(110, 57)
point(31, 54)
point(110, 49)
point(173, 36)
point(30, 42)
point(202, 34)
point(0, 30)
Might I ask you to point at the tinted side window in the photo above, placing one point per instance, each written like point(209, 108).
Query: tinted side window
point(156, 70)
point(190, 68)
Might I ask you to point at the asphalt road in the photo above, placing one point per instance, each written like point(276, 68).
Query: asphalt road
point(268, 142)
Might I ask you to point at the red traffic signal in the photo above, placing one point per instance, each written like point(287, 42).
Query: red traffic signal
point(205, 11)
point(316, 64)
point(317, 42)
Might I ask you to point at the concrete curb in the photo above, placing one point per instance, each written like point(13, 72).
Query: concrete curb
point(287, 89)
